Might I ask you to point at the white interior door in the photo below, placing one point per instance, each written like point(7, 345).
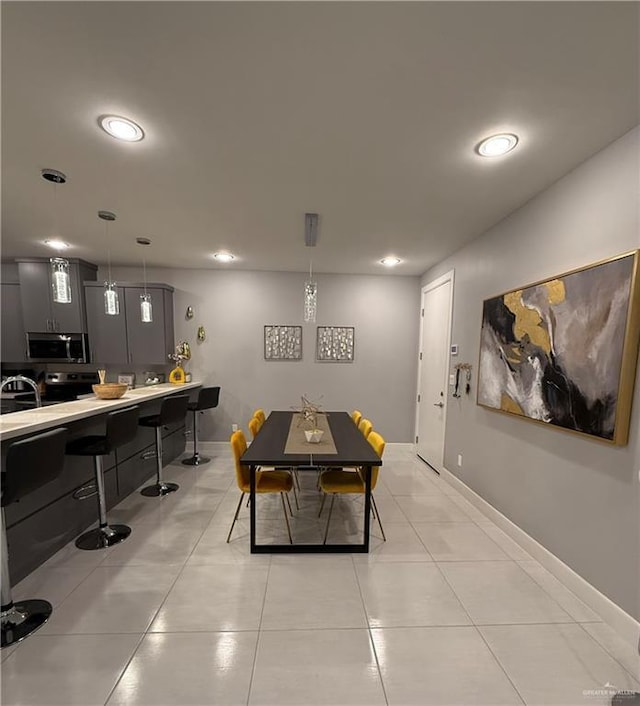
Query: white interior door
point(434, 370)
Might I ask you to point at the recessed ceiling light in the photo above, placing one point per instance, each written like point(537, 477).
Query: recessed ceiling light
point(56, 244)
point(390, 261)
point(223, 256)
point(121, 128)
point(497, 145)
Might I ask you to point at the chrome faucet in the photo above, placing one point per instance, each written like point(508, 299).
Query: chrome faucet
point(22, 378)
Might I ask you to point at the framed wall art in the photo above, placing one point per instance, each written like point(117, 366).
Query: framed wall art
point(563, 351)
point(283, 342)
point(335, 344)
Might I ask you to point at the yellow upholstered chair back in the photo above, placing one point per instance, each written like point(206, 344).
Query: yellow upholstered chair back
point(254, 426)
point(356, 415)
point(238, 447)
point(378, 444)
point(260, 415)
point(365, 427)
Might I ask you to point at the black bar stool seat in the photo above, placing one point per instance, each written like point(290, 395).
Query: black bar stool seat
point(30, 464)
point(208, 398)
point(172, 410)
point(121, 428)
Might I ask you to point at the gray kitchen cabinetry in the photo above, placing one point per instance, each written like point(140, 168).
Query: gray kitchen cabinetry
point(40, 314)
point(125, 338)
point(12, 335)
point(107, 334)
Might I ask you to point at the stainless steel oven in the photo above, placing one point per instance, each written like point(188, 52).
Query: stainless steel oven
point(57, 347)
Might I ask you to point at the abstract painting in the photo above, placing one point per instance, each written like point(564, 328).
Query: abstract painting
point(335, 344)
point(564, 351)
point(283, 342)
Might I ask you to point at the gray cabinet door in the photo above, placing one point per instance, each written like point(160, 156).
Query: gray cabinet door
point(147, 343)
point(40, 313)
point(107, 334)
point(12, 334)
point(35, 296)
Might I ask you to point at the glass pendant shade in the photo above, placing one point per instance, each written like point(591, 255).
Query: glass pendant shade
point(146, 309)
point(60, 280)
point(310, 301)
point(111, 301)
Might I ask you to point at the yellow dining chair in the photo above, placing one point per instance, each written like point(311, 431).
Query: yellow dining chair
point(254, 426)
point(260, 415)
point(339, 481)
point(365, 427)
point(266, 482)
point(356, 415)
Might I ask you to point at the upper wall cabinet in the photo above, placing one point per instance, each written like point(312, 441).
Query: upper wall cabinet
point(125, 338)
point(12, 334)
point(40, 313)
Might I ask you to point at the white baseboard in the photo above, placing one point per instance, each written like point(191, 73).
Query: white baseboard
point(624, 624)
point(212, 447)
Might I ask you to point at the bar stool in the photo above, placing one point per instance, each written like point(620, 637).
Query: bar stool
point(207, 399)
point(173, 409)
point(30, 464)
point(122, 426)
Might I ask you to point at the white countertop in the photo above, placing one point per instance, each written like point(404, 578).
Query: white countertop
point(31, 421)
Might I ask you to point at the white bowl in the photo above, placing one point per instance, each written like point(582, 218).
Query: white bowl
point(314, 435)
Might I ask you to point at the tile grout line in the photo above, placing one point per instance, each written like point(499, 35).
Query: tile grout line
point(479, 632)
point(126, 666)
point(369, 633)
point(499, 663)
point(606, 649)
point(255, 653)
point(571, 593)
point(155, 615)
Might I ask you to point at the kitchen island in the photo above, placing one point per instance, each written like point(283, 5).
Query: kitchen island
point(44, 521)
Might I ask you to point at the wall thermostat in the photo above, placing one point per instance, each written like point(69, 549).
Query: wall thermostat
point(454, 349)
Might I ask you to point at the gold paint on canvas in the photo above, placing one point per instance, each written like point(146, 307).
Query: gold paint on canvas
point(509, 405)
point(555, 291)
point(527, 321)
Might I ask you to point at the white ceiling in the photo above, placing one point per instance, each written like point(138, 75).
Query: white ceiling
point(255, 113)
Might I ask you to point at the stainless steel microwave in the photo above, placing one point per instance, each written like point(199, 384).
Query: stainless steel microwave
point(57, 347)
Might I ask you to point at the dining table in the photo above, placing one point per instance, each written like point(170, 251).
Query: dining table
point(281, 443)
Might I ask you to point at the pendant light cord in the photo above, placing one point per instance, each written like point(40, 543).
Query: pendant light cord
point(144, 274)
point(55, 210)
point(106, 237)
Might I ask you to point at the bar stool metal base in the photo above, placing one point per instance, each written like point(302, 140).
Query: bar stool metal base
point(22, 619)
point(196, 460)
point(162, 488)
point(103, 537)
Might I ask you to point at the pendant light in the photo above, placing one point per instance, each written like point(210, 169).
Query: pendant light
point(111, 301)
point(310, 298)
point(60, 279)
point(146, 306)
point(310, 286)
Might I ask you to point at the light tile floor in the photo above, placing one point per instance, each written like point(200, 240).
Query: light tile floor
point(448, 611)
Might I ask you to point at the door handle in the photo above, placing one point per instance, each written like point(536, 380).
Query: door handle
point(439, 404)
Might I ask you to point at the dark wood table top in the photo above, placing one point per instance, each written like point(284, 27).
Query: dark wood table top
point(267, 449)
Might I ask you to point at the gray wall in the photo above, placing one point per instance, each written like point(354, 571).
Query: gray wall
point(234, 305)
point(578, 497)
